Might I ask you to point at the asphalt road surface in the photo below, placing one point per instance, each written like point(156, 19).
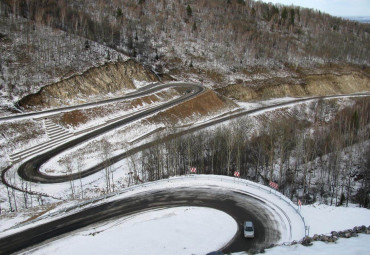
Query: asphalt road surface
point(239, 206)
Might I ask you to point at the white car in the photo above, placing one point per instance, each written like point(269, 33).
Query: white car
point(248, 229)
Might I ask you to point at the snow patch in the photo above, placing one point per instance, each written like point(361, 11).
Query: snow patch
point(323, 219)
point(140, 84)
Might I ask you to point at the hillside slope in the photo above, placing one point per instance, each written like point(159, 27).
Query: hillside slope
point(34, 55)
point(112, 78)
point(234, 35)
point(304, 85)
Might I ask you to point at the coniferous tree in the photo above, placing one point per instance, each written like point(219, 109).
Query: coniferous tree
point(189, 11)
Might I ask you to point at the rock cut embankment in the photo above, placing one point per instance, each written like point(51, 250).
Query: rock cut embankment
point(308, 85)
point(101, 81)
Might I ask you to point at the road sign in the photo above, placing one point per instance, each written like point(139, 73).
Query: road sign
point(273, 185)
point(193, 170)
point(237, 174)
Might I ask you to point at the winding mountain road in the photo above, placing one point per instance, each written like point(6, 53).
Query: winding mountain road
point(29, 170)
point(239, 206)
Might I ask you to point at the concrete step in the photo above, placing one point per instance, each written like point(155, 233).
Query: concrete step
point(50, 129)
point(56, 132)
point(56, 136)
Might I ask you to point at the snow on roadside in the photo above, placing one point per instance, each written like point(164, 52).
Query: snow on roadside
point(253, 105)
point(167, 231)
point(11, 220)
point(140, 84)
point(323, 219)
point(354, 246)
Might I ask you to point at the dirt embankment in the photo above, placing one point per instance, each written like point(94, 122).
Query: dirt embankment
point(205, 104)
point(308, 85)
point(97, 81)
point(77, 117)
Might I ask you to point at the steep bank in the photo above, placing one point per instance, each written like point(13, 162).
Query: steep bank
point(99, 81)
point(307, 85)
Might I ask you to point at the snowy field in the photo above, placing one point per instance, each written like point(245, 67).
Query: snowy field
point(181, 231)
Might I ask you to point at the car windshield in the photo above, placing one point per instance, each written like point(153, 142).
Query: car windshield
point(248, 229)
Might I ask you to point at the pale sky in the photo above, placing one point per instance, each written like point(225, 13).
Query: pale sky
point(334, 7)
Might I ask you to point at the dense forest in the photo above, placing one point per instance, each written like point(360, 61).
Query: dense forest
point(223, 34)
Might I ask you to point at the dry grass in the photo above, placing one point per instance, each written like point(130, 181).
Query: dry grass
point(42, 212)
point(74, 118)
point(203, 105)
point(79, 117)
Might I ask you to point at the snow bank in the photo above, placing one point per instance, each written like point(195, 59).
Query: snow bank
point(141, 84)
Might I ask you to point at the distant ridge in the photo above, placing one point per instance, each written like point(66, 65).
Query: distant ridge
point(361, 19)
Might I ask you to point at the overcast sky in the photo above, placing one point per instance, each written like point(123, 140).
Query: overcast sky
point(334, 7)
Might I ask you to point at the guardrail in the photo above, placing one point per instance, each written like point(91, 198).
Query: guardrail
point(137, 187)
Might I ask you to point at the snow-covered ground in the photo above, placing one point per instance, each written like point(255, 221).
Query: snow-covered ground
point(182, 230)
point(253, 105)
point(354, 246)
point(323, 219)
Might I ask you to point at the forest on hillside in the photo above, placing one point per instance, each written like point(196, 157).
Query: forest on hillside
point(315, 152)
point(34, 55)
point(231, 35)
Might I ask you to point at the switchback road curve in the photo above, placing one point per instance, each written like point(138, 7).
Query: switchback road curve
point(236, 204)
point(29, 170)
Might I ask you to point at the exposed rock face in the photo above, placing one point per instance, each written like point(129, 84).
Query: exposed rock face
point(310, 85)
point(102, 80)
